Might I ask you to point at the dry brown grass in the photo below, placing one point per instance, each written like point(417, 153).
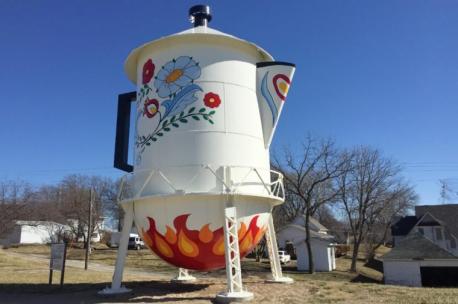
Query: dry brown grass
point(141, 259)
point(26, 279)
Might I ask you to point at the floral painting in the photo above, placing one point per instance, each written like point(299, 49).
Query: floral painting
point(168, 96)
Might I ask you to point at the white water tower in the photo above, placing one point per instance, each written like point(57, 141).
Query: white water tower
point(201, 190)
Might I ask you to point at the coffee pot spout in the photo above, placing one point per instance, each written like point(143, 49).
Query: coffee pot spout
point(273, 79)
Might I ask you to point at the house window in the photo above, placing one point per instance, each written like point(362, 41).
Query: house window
point(453, 243)
point(439, 234)
point(422, 232)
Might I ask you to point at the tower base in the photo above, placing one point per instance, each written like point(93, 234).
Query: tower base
point(282, 280)
point(114, 291)
point(183, 277)
point(239, 296)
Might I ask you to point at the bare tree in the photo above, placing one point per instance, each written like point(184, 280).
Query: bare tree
point(310, 182)
point(109, 197)
point(66, 203)
point(15, 197)
point(370, 195)
point(394, 203)
point(75, 192)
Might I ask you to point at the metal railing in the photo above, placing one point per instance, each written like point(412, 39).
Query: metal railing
point(253, 177)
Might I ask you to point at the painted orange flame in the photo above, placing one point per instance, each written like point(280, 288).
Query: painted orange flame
point(186, 246)
point(218, 248)
point(170, 235)
point(242, 230)
point(205, 234)
point(198, 249)
point(162, 246)
point(147, 239)
point(246, 243)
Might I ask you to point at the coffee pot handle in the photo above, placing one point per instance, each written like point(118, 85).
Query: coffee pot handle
point(122, 132)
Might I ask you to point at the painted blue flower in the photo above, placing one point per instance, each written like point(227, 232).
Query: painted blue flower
point(175, 75)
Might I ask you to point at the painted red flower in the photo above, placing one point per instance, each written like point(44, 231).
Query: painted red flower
point(151, 108)
point(212, 100)
point(148, 71)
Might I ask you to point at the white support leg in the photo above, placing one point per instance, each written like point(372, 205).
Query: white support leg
point(274, 258)
point(116, 287)
point(333, 256)
point(235, 290)
point(183, 276)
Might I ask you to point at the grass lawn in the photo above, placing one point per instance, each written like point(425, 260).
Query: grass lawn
point(141, 259)
point(23, 273)
point(20, 279)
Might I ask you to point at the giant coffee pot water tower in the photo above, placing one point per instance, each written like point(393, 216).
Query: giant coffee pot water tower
point(201, 190)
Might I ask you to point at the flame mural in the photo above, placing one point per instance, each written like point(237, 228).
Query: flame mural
point(198, 249)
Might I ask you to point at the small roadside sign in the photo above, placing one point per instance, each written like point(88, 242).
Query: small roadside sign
point(57, 261)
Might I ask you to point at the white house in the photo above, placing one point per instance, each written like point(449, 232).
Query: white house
point(97, 233)
point(34, 232)
point(425, 248)
point(323, 249)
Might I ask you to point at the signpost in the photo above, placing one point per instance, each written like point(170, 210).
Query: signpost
point(57, 262)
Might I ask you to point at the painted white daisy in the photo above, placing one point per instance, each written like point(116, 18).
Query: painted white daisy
point(175, 75)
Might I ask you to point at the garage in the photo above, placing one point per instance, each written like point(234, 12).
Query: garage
point(417, 262)
point(439, 276)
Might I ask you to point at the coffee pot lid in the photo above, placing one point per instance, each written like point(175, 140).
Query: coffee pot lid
point(199, 15)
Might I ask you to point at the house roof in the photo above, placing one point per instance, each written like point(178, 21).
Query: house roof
point(321, 236)
point(314, 234)
point(37, 223)
point(429, 220)
point(417, 247)
point(446, 214)
point(404, 225)
point(315, 225)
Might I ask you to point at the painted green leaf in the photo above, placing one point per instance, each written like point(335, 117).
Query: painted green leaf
point(164, 123)
point(205, 117)
point(148, 143)
point(153, 139)
point(196, 117)
point(175, 125)
point(159, 134)
point(181, 114)
point(211, 112)
point(210, 121)
point(191, 110)
point(173, 118)
point(184, 120)
point(166, 129)
point(202, 110)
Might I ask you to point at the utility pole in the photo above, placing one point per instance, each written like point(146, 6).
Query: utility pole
point(89, 229)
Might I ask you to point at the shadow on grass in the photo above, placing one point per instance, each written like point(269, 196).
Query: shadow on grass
point(361, 278)
point(375, 264)
point(142, 291)
point(371, 264)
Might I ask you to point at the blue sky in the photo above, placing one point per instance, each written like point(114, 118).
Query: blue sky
point(378, 73)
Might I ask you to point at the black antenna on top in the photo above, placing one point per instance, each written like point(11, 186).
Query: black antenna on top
point(199, 15)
